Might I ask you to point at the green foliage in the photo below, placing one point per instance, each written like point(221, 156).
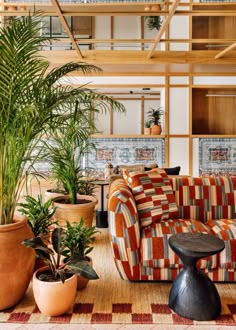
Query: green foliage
point(33, 102)
point(147, 123)
point(53, 258)
point(39, 214)
point(154, 115)
point(67, 145)
point(153, 22)
point(78, 240)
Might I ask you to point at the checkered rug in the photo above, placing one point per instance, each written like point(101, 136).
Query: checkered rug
point(121, 313)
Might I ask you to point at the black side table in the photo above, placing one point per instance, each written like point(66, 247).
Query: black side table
point(101, 215)
point(193, 295)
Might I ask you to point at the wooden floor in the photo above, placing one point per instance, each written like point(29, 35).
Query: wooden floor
point(111, 288)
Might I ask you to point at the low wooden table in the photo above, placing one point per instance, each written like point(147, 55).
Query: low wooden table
point(193, 295)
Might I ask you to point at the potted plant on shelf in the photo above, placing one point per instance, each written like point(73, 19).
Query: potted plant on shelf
point(32, 101)
point(56, 281)
point(78, 246)
point(153, 22)
point(147, 127)
point(154, 116)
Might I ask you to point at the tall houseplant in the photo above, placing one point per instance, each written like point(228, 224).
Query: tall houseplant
point(32, 100)
point(65, 150)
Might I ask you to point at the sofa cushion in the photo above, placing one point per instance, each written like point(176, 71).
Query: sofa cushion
point(172, 170)
point(226, 230)
point(153, 195)
point(205, 198)
point(155, 250)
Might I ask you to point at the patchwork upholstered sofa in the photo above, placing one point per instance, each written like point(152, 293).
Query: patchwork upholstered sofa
point(146, 208)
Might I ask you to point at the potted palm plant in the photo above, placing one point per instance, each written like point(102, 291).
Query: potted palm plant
point(154, 116)
point(32, 102)
point(57, 281)
point(66, 147)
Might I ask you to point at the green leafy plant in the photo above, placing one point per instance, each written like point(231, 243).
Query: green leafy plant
point(53, 257)
point(39, 214)
point(147, 123)
point(33, 102)
point(67, 147)
point(153, 22)
point(154, 115)
point(79, 240)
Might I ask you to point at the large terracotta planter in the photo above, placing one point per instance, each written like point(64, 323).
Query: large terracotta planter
point(54, 298)
point(74, 212)
point(16, 262)
point(50, 194)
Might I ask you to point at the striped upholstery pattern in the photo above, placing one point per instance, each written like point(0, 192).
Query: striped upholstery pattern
point(226, 230)
point(155, 250)
point(143, 253)
point(153, 195)
point(205, 198)
point(124, 228)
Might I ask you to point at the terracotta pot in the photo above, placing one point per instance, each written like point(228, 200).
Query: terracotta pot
point(147, 130)
point(16, 262)
point(82, 282)
point(156, 130)
point(50, 194)
point(54, 298)
point(74, 212)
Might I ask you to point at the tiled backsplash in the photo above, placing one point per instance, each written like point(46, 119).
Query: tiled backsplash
point(217, 156)
point(125, 151)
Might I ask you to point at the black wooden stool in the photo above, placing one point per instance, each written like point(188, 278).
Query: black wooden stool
point(193, 295)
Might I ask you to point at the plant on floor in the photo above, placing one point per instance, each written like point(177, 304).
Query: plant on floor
point(53, 257)
point(39, 214)
point(33, 101)
point(79, 240)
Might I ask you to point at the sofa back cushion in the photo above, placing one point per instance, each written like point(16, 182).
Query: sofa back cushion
point(153, 195)
point(205, 198)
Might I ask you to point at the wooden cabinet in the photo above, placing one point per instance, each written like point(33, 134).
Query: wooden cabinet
point(213, 111)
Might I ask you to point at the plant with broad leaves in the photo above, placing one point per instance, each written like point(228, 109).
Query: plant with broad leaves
point(53, 258)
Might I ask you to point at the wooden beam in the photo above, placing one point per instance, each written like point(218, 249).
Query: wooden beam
point(226, 50)
point(164, 26)
point(66, 27)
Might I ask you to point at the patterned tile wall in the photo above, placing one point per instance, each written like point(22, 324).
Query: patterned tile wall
point(217, 156)
point(125, 151)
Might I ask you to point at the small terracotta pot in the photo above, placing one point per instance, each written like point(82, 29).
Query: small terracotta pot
point(54, 298)
point(156, 130)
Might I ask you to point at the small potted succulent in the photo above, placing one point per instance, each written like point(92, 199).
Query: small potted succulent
point(147, 127)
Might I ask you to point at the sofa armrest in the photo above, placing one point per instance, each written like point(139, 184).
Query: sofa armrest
point(124, 228)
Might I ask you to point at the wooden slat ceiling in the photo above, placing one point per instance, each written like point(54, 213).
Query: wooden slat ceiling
point(164, 60)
